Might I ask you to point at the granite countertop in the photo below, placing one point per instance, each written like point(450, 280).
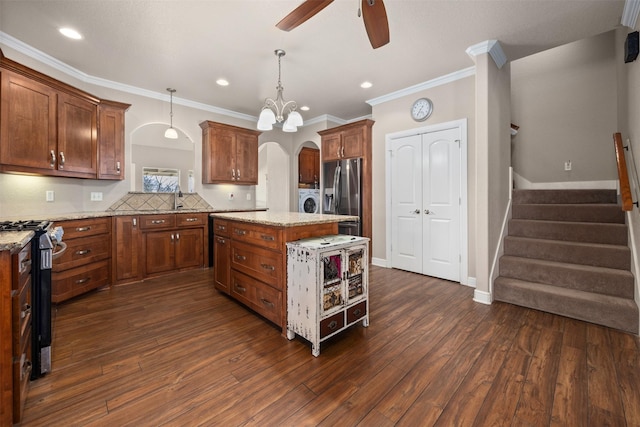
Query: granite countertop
point(284, 219)
point(10, 240)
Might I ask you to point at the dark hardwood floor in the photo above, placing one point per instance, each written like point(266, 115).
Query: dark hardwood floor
point(173, 351)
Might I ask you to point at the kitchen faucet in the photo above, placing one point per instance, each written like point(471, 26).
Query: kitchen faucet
point(177, 193)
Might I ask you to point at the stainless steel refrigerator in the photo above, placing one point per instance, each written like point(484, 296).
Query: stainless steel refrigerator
point(342, 192)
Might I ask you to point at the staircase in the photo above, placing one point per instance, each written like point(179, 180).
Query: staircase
point(567, 253)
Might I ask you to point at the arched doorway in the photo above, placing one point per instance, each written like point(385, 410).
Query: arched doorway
point(273, 177)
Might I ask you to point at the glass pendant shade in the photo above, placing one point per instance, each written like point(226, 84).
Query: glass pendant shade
point(171, 133)
point(288, 126)
point(295, 118)
point(266, 120)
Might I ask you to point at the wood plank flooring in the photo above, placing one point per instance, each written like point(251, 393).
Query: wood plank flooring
point(173, 351)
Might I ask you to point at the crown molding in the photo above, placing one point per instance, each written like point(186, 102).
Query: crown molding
point(492, 47)
point(438, 81)
point(630, 13)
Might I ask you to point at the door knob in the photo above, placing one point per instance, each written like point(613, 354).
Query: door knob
point(428, 212)
point(417, 211)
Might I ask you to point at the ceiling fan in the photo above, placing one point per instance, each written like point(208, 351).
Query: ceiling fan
point(374, 16)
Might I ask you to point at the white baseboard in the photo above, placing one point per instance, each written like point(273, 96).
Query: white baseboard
point(380, 262)
point(470, 281)
point(482, 297)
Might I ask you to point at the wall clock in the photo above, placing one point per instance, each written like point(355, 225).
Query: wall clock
point(421, 109)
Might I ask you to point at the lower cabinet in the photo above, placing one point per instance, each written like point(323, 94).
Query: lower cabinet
point(126, 249)
point(86, 263)
point(328, 286)
point(221, 263)
point(172, 242)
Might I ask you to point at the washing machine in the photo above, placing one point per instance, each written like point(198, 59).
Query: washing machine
point(309, 200)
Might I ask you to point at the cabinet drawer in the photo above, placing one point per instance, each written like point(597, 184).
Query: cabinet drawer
point(356, 312)
point(331, 324)
point(268, 302)
point(191, 220)
point(85, 227)
point(260, 263)
point(21, 266)
point(75, 281)
point(83, 251)
point(242, 288)
point(221, 227)
point(21, 314)
point(21, 374)
point(263, 236)
point(153, 222)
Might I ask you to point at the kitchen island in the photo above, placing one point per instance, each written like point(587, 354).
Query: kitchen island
point(250, 255)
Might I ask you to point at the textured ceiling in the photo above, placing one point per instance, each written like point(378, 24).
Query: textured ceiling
point(187, 44)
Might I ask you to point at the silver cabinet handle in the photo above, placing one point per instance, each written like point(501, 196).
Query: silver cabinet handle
point(83, 252)
point(81, 281)
point(221, 240)
point(191, 219)
point(240, 232)
point(268, 267)
point(267, 302)
point(172, 237)
point(25, 311)
point(238, 173)
point(83, 228)
point(233, 174)
point(177, 236)
point(157, 221)
point(241, 257)
point(118, 168)
point(267, 237)
point(134, 222)
point(239, 288)
point(52, 163)
point(342, 151)
point(62, 159)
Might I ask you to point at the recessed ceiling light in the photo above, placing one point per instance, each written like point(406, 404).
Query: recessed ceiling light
point(222, 82)
point(71, 33)
point(366, 85)
point(304, 108)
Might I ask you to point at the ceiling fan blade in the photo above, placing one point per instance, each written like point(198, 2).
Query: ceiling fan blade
point(301, 13)
point(376, 23)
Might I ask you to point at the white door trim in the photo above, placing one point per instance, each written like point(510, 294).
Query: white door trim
point(464, 238)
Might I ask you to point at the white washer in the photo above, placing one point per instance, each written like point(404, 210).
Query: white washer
point(309, 200)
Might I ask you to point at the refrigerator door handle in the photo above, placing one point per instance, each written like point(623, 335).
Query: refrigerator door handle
point(336, 189)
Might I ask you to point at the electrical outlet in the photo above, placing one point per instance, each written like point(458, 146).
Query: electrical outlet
point(230, 196)
point(49, 196)
point(248, 196)
point(96, 196)
point(567, 165)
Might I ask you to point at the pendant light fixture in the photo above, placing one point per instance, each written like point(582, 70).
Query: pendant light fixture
point(274, 110)
point(171, 133)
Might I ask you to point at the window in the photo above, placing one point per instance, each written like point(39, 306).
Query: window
point(160, 180)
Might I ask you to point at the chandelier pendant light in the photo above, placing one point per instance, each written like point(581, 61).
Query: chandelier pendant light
point(275, 110)
point(171, 133)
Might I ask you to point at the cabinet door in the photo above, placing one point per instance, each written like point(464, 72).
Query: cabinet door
point(221, 265)
point(27, 124)
point(77, 136)
point(189, 248)
point(352, 143)
point(159, 250)
point(110, 142)
point(246, 159)
point(221, 162)
point(126, 249)
point(308, 165)
point(332, 147)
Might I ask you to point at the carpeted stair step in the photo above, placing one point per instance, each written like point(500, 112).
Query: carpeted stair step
point(614, 312)
point(606, 233)
point(595, 254)
point(564, 196)
point(608, 213)
point(600, 280)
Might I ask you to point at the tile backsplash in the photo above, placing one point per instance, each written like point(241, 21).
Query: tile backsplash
point(134, 201)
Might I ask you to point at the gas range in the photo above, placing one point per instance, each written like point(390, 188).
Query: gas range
point(36, 225)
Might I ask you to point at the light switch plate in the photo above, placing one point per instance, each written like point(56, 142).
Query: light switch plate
point(96, 196)
point(49, 196)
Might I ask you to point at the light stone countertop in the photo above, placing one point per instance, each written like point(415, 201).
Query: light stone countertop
point(10, 240)
point(284, 219)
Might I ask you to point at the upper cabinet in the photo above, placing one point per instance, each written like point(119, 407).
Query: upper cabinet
point(309, 165)
point(50, 128)
point(229, 154)
point(347, 142)
point(111, 139)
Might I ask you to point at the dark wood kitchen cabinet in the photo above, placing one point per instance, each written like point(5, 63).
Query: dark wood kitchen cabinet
point(229, 154)
point(15, 332)
point(50, 128)
point(309, 165)
point(126, 249)
point(111, 140)
point(173, 242)
point(86, 263)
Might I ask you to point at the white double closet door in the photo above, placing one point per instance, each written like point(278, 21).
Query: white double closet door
point(425, 203)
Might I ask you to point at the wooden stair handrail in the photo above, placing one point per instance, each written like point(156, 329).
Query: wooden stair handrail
point(623, 174)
